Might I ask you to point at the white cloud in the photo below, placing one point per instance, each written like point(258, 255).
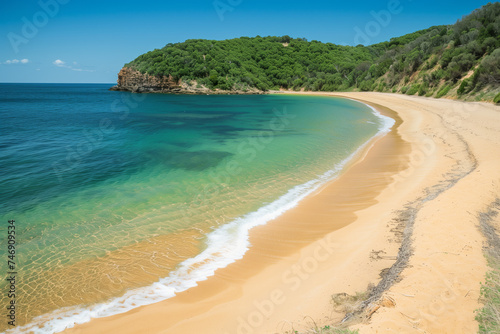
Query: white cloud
point(82, 70)
point(59, 62)
point(16, 61)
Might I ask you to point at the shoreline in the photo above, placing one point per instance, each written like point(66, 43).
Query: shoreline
point(283, 286)
point(313, 186)
point(252, 260)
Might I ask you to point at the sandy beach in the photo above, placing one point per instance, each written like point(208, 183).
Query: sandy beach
point(421, 186)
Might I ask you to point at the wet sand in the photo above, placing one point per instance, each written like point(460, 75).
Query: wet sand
point(341, 237)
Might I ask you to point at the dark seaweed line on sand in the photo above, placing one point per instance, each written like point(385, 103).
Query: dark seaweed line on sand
point(489, 231)
point(406, 218)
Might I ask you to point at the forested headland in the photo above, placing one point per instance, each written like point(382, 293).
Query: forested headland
point(460, 60)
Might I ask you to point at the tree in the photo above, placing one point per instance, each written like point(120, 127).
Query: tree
point(490, 68)
point(214, 77)
point(285, 39)
point(263, 62)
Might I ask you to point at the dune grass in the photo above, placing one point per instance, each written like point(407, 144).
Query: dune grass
point(488, 316)
point(328, 330)
point(333, 330)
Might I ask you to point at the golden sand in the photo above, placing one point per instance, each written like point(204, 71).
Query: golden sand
point(443, 159)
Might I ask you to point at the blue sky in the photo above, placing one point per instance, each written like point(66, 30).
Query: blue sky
point(89, 41)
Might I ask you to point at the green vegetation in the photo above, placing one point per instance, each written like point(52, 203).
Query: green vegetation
point(443, 91)
point(497, 98)
point(413, 90)
point(465, 55)
point(260, 62)
point(327, 330)
point(488, 317)
point(333, 330)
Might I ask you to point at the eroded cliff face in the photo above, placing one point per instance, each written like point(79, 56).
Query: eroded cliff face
point(131, 80)
point(134, 81)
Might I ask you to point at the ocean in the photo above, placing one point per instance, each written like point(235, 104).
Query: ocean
point(122, 199)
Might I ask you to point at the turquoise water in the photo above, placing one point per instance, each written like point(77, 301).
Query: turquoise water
point(113, 191)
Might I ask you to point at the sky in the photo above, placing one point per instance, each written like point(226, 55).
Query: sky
point(89, 41)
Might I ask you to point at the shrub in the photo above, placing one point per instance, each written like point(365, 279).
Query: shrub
point(437, 75)
point(213, 77)
point(488, 316)
point(423, 89)
point(414, 89)
point(463, 86)
point(366, 85)
point(443, 91)
point(432, 62)
point(490, 68)
point(497, 98)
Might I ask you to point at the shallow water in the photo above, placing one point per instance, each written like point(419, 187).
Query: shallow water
point(112, 191)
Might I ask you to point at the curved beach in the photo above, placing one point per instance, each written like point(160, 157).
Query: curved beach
point(440, 162)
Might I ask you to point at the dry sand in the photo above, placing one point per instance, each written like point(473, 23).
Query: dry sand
point(434, 174)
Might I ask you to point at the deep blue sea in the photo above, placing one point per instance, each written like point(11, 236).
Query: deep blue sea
point(124, 199)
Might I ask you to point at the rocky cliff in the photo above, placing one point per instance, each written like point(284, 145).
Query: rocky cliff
point(134, 81)
point(131, 80)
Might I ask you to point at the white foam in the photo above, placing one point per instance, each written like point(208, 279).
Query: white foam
point(225, 245)
point(387, 122)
